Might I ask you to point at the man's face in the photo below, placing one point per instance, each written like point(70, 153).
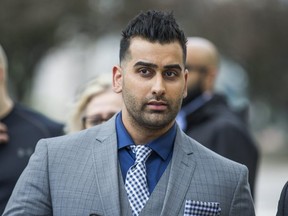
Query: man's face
point(198, 67)
point(153, 83)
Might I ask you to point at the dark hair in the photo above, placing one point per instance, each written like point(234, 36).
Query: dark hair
point(155, 26)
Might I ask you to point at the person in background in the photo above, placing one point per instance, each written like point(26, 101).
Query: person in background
point(283, 202)
point(233, 82)
point(20, 129)
point(139, 162)
point(206, 117)
point(94, 104)
point(3, 134)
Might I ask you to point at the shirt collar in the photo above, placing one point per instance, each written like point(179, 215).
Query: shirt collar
point(163, 145)
point(196, 103)
point(191, 107)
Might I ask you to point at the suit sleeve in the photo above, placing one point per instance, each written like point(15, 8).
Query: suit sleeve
point(31, 194)
point(242, 203)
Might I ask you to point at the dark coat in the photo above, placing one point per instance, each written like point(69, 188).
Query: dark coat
point(218, 128)
point(25, 128)
point(283, 202)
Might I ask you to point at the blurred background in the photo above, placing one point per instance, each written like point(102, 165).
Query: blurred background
point(53, 46)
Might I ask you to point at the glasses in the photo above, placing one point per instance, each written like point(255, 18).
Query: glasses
point(198, 68)
point(90, 121)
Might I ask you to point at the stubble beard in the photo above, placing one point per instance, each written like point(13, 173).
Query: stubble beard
point(152, 120)
point(194, 91)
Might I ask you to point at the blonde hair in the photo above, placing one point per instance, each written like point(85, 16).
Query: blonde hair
point(96, 86)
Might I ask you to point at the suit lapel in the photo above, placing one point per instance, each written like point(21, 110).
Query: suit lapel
point(182, 169)
point(106, 167)
point(106, 171)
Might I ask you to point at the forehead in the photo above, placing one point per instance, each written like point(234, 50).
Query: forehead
point(154, 52)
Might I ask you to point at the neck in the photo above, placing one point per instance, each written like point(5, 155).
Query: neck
point(6, 104)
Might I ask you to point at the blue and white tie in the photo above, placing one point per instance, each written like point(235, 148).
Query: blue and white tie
point(136, 181)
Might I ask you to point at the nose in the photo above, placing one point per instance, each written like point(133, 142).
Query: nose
point(158, 88)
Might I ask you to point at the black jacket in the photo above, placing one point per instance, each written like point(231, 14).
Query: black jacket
point(25, 128)
point(283, 202)
point(218, 128)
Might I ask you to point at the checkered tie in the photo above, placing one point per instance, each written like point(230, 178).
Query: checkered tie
point(136, 182)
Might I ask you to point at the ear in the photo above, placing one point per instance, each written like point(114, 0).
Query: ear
point(2, 78)
point(213, 72)
point(185, 92)
point(117, 79)
point(211, 78)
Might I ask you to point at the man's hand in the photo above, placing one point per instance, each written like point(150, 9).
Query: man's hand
point(3, 134)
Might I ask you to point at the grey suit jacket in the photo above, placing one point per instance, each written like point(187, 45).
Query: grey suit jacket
point(79, 175)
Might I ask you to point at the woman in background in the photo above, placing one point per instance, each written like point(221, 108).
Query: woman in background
point(94, 104)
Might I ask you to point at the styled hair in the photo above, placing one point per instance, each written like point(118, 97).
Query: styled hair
point(154, 26)
point(84, 95)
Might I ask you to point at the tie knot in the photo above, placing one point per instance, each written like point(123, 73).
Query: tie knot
point(142, 152)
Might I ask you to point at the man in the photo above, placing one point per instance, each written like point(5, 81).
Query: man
point(3, 133)
point(104, 170)
point(283, 202)
point(20, 130)
point(206, 117)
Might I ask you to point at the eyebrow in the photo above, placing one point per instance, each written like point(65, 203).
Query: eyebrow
point(141, 63)
point(146, 64)
point(173, 66)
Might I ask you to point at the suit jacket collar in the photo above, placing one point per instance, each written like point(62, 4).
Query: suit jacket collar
point(106, 170)
point(182, 169)
point(106, 166)
point(209, 110)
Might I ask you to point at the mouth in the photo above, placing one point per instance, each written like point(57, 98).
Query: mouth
point(157, 105)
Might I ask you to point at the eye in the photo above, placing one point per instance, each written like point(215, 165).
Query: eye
point(144, 72)
point(170, 74)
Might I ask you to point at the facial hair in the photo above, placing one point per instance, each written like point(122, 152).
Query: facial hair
point(152, 119)
point(193, 92)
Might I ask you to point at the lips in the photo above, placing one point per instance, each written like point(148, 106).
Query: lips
point(157, 105)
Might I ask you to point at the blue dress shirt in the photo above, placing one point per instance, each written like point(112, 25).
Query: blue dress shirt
point(156, 163)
